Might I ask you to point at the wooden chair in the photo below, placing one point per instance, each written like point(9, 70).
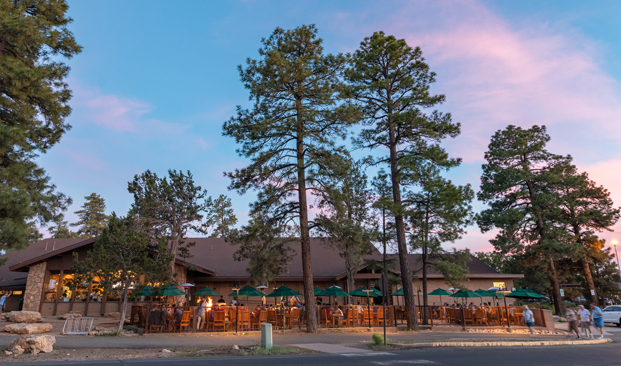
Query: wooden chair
point(481, 316)
point(244, 322)
point(367, 316)
point(272, 317)
point(294, 317)
point(324, 318)
point(186, 316)
point(262, 319)
point(219, 320)
point(350, 319)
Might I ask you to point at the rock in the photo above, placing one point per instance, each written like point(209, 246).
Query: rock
point(70, 315)
point(114, 314)
point(25, 328)
point(165, 350)
point(235, 346)
point(25, 317)
point(33, 344)
point(8, 353)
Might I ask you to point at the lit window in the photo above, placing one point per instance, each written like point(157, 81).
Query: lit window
point(500, 285)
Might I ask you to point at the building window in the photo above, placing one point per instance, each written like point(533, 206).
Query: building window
point(500, 285)
point(51, 286)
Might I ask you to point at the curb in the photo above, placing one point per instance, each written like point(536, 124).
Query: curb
point(509, 344)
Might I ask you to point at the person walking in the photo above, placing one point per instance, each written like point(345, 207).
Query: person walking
point(202, 309)
point(529, 319)
point(585, 321)
point(572, 321)
point(598, 320)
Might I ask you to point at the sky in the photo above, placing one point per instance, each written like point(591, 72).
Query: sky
point(157, 79)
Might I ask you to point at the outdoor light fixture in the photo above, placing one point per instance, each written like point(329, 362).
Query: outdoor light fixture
point(614, 242)
point(236, 289)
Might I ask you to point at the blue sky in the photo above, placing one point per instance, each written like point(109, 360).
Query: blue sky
point(157, 79)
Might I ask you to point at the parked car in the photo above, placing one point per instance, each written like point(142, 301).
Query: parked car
point(612, 314)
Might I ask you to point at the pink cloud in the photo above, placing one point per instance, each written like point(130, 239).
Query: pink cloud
point(495, 73)
point(116, 113)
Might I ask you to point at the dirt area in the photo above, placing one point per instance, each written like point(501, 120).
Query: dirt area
point(92, 354)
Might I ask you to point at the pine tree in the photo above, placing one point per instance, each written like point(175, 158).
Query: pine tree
point(587, 209)
point(391, 81)
point(345, 218)
point(120, 258)
point(290, 132)
point(34, 99)
point(265, 246)
point(166, 208)
point(437, 214)
point(92, 216)
point(519, 185)
point(220, 216)
point(60, 229)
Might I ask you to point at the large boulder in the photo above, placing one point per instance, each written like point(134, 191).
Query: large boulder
point(28, 328)
point(32, 344)
point(25, 317)
point(114, 314)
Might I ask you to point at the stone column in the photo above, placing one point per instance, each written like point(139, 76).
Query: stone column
point(180, 277)
point(34, 287)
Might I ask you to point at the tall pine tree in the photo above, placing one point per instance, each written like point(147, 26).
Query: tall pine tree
point(34, 103)
point(290, 132)
point(345, 219)
point(519, 185)
point(92, 216)
point(391, 81)
point(220, 216)
point(437, 214)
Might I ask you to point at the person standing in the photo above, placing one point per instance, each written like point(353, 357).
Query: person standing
point(598, 319)
point(529, 319)
point(3, 298)
point(202, 309)
point(572, 321)
point(585, 321)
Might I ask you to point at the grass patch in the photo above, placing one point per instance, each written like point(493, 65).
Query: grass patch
point(242, 351)
point(275, 350)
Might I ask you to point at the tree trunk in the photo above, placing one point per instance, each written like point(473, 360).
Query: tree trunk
point(556, 289)
point(351, 283)
point(307, 270)
point(425, 300)
point(589, 280)
point(174, 247)
point(406, 277)
point(124, 308)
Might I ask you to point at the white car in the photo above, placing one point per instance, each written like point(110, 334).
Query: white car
point(612, 314)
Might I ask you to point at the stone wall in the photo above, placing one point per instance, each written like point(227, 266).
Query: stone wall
point(180, 277)
point(34, 286)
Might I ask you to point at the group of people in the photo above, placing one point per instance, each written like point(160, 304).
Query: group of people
point(580, 321)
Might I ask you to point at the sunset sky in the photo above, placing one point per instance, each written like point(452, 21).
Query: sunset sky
point(157, 79)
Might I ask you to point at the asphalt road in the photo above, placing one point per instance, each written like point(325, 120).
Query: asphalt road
point(601, 355)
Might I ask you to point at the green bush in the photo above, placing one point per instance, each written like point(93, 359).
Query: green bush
point(378, 339)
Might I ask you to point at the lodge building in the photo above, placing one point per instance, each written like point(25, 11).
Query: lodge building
point(39, 275)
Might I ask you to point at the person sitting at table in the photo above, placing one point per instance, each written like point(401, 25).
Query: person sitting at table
point(256, 315)
point(221, 301)
point(339, 311)
point(233, 302)
point(178, 312)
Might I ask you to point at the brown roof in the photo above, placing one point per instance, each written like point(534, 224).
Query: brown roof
point(12, 279)
point(215, 256)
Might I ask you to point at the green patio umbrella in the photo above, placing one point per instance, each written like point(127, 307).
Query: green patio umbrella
point(336, 292)
point(171, 291)
point(283, 291)
point(149, 291)
point(248, 291)
point(206, 292)
point(318, 292)
point(440, 292)
point(399, 292)
point(465, 294)
point(525, 293)
point(363, 292)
